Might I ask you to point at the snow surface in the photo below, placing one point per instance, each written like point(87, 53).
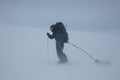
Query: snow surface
point(24, 55)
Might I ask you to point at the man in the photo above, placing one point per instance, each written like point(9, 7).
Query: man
point(61, 37)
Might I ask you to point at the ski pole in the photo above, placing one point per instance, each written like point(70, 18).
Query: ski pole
point(95, 60)
point(48, 48)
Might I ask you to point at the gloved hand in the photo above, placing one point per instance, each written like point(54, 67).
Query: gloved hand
point(48, 34)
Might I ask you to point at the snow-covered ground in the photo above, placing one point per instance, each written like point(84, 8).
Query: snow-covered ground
point(24, 55)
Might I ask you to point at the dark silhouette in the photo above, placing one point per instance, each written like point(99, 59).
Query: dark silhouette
point(61, 36)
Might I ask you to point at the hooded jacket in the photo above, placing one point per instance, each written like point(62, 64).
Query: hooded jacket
point(59, 33)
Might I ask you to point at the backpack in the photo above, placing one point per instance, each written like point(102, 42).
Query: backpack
point(60, 27)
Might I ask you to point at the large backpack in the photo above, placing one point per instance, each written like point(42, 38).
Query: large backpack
point(59, 26)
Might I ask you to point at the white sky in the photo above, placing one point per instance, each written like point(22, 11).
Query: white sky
point(78, 14)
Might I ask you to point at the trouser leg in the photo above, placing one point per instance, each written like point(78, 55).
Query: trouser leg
point(61, 55)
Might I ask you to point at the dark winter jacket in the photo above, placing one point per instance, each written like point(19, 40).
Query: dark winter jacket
point(59, 33)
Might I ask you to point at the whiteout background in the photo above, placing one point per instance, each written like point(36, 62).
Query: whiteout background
point(92, 25)
point(24, 56)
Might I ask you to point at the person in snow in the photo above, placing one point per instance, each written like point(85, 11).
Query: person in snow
point(60, 34)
